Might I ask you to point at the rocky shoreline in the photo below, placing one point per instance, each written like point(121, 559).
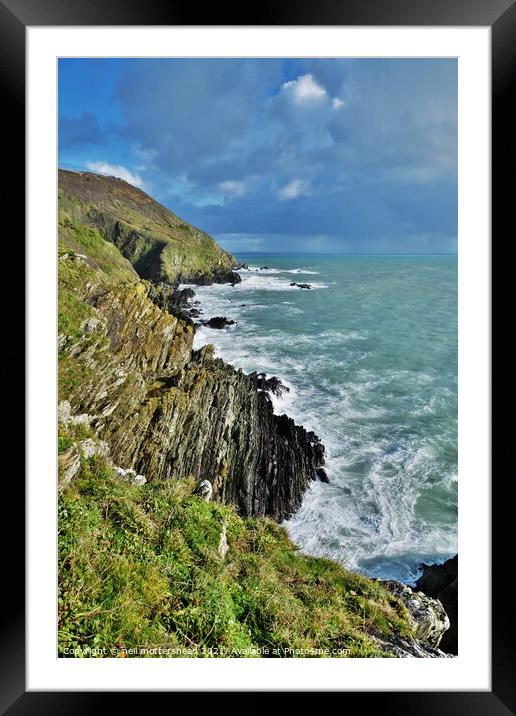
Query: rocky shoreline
point(168, 411)
point(135, 394)
point(433, 600)
point(440, 581)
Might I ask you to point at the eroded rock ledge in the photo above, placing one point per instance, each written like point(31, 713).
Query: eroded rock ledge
point(168, 411)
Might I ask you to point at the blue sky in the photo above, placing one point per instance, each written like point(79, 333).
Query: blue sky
point(317, 155)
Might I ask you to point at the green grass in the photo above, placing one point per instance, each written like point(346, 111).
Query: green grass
point(140, 569)
point(155, 241)
point(81, 239)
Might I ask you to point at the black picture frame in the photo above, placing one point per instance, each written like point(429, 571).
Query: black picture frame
point(500, 16)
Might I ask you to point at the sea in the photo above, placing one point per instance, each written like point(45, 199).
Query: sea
point(369, 354)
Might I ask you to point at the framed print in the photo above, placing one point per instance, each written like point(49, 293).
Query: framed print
point(258, 269)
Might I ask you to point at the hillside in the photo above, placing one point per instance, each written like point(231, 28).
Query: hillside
point(158, 244)
point(144, 562)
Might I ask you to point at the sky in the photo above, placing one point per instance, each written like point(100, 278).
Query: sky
point(276, 155)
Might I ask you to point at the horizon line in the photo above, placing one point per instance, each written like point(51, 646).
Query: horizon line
point(346, 253)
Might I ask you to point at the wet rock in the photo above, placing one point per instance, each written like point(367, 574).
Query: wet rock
point(208, 279)
point(176, 301)
point(322, 474)
point(441, 582)
point(301, 285)
point(219, 322)
point(270, 385)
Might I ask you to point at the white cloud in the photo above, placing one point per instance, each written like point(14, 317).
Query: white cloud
point(337, 103)
point(235, 188)
point(304, 90)
point(295, 188)
point(146, 155)
point(115, 170)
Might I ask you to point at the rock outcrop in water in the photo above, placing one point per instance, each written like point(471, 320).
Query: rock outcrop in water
point(441, 582)
point(219, 322)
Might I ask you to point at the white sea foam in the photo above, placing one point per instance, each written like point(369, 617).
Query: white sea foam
point(385, 423)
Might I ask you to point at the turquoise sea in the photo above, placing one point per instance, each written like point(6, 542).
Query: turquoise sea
point(370, 356)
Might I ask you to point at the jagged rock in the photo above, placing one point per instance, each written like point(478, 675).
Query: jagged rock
point(272, 384)
point(301, 285)
point(91, 325)
point(205, 490)
point(218, 277)
point(62, 341)
point(69, 461)
point(219, 322)
point(69, 464)
point(322, 474)
point(441, 581)
point(90, 447)
point(175, 301)
point(64, 415)
point(428, 617)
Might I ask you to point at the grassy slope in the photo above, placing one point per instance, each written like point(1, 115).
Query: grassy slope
point(159, 244)
point(140, 568)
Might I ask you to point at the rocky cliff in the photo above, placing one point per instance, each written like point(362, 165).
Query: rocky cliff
point(160, 245)
point(165, 410)
point(143, 419)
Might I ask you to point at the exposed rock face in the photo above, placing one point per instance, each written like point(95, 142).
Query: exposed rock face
point(174, 300)
point(441, 581)
point(429, 618)
point(168, 412)
point(429, 622)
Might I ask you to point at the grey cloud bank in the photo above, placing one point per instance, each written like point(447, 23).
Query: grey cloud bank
point(313, 155)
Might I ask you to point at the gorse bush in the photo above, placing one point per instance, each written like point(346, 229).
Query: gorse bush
point(140, 569)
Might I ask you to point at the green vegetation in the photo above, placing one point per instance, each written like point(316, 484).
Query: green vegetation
point(159, 244)
point(84, 240)
point(140, 570)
